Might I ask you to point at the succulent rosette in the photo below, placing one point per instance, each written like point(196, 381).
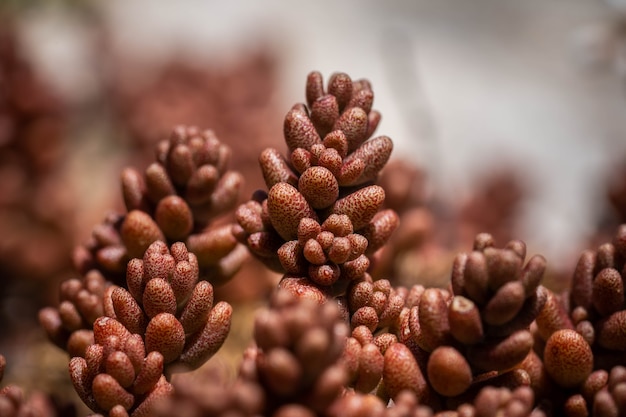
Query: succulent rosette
point(69, 326)
point(296, 359)
point(473, 334)
point(170, 307)
point(322, 218)
point(581, 338)
point(179, 197)
point(294, 368)
point(164, 317)
point(377, 311)
point(597, 300)
point(118, 376)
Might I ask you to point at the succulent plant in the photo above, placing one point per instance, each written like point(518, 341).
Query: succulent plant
point(296, 358)
point(479, 329)
point(341, 334)
point(488, 402)
point(118, 376)
point(293, 369)
point(167, 304)
point(14, 402)
point(175, 199)
point(580, 334)
point(126, 337)
point(597, 300)
point(321, 218)
point(165, 316)
point(81, 303)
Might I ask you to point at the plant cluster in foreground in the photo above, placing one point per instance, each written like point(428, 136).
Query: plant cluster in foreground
point(332, 340)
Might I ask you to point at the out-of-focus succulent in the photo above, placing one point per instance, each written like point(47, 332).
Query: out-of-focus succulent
point(320, 218)
point(14, 402)
point(297, 355)
point(602, 393)
point(235, 98)
point(36, 203)
point(176, 199)
point(609, 399)
point(210, 392)
point(493, 206)
point(294, 368)
point(580, 334)
point(477, 332)
point(81, 303)
point(616, 193)
point(597, 300)
point(488, 402)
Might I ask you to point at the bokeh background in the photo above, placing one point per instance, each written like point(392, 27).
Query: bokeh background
point(535, 86)
point(513, 113)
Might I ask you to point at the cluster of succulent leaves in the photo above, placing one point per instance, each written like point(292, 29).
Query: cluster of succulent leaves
point(144, 303)
point(332, 341)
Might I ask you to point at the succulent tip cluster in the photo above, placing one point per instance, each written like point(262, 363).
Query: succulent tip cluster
point(69, 325)
point(444, 345)
point(138, 333)
point(144, 306)
point(118, 376)
point(580, 334)
point(296, 357)
point(321, 217)
point(176, 199)
point(167, 304)
point(293, 369)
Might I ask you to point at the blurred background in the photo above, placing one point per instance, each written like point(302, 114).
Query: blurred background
point(464, 87)
point(512, 115)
